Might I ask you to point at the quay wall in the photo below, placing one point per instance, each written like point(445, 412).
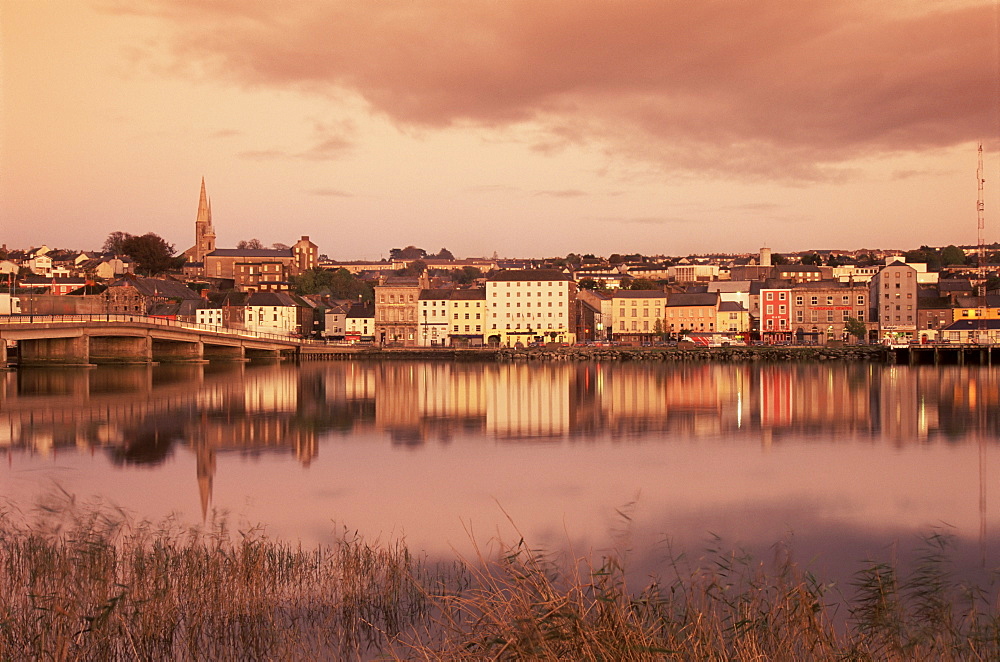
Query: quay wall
point(862, 353)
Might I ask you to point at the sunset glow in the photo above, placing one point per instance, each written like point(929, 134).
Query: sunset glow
point(519, 127)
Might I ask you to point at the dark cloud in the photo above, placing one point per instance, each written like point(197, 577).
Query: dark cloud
point(765, 89)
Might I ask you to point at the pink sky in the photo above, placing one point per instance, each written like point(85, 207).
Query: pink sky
point(522, 127)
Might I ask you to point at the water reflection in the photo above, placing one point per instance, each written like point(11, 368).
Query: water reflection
point(140, 414)
point(608, 423)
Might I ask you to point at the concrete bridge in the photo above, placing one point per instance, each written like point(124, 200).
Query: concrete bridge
point(80, 340)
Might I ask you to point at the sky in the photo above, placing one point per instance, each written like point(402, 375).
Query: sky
point(524, 128)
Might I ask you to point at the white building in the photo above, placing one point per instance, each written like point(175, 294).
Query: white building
point(530, 306)
point(271, 312)
point(209, 316)
point(360, 323)
point(433, 318)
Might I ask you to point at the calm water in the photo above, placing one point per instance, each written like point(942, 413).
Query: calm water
point(846, 462)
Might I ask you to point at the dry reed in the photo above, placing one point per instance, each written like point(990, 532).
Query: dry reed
point(87, 582)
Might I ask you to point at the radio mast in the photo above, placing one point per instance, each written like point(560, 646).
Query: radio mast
point(981, 270)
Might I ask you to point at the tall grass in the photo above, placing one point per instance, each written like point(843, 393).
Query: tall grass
point(87, 582)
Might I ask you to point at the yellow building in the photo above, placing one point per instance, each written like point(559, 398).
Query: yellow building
point(970, 308)
point(732, 317)
point(692, 312)
point(467, 317)
point(638, 314)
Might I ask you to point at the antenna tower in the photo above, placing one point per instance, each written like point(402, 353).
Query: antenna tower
point(981, 269)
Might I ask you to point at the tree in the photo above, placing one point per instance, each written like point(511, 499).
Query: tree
point(953, 255)
point(926, 255)
point(338, 283)
point(115, 243)
point(414, 268)
point(152, 254)
point(590, 284)
point(252, 244)
point(443, 254)
point(278, 246)
point(467, 275)
point(778, 258)
point(813, 259)
point(408, 253)
point(643, 284)
point(856, 328)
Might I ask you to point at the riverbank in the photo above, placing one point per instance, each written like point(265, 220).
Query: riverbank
point(92, 584)
point(770, 353)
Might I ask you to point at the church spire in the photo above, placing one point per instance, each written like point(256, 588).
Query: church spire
point(204, 233)
point(204, 208)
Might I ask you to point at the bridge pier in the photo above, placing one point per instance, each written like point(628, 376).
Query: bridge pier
point(264, 354)
point(121, 349)
point(177, 351)
point(55, 351)
point(223, 352)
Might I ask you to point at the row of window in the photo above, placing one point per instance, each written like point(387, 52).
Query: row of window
point(645, 312)
point(814, 300)
point(529, 326)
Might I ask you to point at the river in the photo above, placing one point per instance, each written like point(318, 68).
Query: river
point(841, 462)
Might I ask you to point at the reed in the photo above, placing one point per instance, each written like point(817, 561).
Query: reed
point(85, 581)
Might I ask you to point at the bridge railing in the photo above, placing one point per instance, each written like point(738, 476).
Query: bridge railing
point(157, 321)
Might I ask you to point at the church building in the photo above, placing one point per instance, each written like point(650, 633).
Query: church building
point(252, 269)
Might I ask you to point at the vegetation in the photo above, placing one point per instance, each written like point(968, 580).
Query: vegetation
point(88, 583)
point(936, 258)
point(856, 328)
point(152, 254)
point(337, 283)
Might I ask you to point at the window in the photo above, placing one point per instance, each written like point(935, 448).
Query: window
point(814, 301)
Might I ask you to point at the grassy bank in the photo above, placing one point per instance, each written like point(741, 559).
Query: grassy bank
point(87, 583)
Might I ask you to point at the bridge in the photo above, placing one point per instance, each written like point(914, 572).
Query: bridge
point(82, 340)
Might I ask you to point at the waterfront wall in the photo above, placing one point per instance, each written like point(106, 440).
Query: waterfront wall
point(864, 353)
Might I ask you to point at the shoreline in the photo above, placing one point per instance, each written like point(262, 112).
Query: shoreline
point(863, 353)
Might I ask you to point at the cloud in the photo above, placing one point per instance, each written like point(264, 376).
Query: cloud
point(652, 220)
point(262, 154)
point(330, 193)
point(564, 193)
point(764, 89)
point(332, 147)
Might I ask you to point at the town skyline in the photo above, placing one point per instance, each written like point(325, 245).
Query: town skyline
point(516, 128)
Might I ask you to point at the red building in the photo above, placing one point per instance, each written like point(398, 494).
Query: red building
point(775, 315)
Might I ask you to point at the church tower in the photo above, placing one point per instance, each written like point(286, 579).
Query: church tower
point(204, 233)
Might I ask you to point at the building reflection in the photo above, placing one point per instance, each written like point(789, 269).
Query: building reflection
point(142, 415)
